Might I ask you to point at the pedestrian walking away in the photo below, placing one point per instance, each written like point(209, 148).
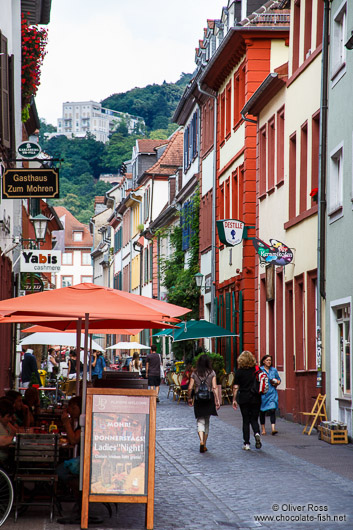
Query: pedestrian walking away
point(246, 395)
point(206, 401)
point(136, 364)
point(29, 367)
point(269, 401)
point(153, 369)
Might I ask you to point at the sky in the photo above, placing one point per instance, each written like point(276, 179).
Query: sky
point(101, 47)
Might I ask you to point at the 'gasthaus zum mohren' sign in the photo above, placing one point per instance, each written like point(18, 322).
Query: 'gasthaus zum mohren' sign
point(30, 183)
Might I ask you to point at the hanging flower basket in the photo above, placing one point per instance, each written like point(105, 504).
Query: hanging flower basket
point(34, 41)
point(314, 194)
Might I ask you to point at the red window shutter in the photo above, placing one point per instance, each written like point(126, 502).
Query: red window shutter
point(280, 145)
point(271, 154)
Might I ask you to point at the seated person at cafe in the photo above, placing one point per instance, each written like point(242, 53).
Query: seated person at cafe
point(7, 430)
point(22, 416)
point(186, 377)
point(32, 400)
point(69, 469)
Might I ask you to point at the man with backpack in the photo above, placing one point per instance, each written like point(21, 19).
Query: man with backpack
point(246, 392)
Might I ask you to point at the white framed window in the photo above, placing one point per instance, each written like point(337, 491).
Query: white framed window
point(336, 180)
point(344, 349)
point(86, 258)
point(67, 258)
point(338, 36)
point(66, 281)
point(86, 279)
point(78, 236)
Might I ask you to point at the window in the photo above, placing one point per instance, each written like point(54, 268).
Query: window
point(292, 175)
point(86, 258)
point(66, 281)
point(296, 36)
point(311, 286)
point(222, 117)
point(239, 94)
point(263, 161)
point(146, 204)
point(307, 28)
point(299, 323)
point(315, 142)
point(338, 33)
point(344, 339)
point(86, 279)
point(280, 145)
point(227, 199)
point(78, 236)
point(191, 141)
point(303, 193)
point(271, 154)
point(336, 180)
point(67, 258)
point(5, 130)
point(228, 108)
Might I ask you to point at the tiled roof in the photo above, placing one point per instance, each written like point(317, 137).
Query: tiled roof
point(99, 199)
point(272, 13)
point(171, 159)
point(210, 23)
point(146, 145)
point(72, 225)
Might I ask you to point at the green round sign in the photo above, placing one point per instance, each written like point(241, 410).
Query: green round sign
point(29, 150)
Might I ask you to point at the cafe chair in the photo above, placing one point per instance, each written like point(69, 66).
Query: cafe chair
point(170, 383)
point(227, 387)
point(36, 460)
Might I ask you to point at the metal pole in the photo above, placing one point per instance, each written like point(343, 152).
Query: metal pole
point(322, 195)
point(78, 348)
point(83, 410)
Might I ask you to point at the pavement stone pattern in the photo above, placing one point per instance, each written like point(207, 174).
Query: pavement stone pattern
point(292, 476)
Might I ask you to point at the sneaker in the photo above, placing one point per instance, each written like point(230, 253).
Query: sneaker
point(258, 443)
point(158, 400)
point(246, 447)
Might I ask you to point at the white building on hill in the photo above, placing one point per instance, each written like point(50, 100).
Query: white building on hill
point(80, 117)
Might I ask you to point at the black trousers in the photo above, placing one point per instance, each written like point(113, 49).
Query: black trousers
point(272, 414)
point(250, 414)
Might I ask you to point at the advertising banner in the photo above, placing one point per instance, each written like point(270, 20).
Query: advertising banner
point(119, 457)
point(40, 261)
point(275, 253)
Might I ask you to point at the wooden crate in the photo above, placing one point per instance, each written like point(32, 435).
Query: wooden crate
point(331, 436)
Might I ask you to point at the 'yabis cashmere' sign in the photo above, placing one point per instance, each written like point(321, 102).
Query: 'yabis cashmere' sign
point(40, 261)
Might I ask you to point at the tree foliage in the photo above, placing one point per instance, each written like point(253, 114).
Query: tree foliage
point(180, 281)
point(154, 103)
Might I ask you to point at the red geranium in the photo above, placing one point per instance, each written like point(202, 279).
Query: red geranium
point(34, 41)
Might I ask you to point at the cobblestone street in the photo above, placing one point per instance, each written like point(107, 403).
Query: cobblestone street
point(292, 476)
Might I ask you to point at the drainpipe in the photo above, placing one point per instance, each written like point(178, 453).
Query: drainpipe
point(214, 185)
point(321, 294)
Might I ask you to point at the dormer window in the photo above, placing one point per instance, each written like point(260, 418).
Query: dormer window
point(78, 235)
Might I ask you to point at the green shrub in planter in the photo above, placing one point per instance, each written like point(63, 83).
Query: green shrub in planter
point(217, 364)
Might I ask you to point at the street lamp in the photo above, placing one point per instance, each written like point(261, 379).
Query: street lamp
point(40, 223)
point(199, 279)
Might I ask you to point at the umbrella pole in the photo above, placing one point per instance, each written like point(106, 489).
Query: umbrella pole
point(83, 410)
point(78, 351)
point(90, 356)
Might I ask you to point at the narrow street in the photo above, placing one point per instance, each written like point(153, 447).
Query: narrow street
point(292, 476)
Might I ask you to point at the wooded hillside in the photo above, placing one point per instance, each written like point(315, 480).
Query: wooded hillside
point(85, 158)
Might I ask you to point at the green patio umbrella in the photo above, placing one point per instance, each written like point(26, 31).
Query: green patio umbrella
point(195, 329)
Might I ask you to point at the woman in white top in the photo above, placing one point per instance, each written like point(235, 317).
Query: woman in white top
point(136, 364)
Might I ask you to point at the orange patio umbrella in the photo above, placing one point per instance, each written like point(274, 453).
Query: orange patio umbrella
point(47, 329)
point(96, 301)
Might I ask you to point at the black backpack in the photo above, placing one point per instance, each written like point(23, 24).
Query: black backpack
point(203, 393)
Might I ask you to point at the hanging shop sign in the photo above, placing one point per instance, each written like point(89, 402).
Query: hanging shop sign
point(30, 183)
point(29, 150)
point(32, 284)
point(230, 231)
point(40, 261)
point(275, 253)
